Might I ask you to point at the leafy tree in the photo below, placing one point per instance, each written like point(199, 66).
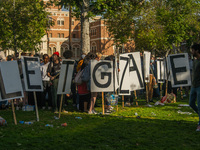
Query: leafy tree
point(180, 20)
point(164, 24)
point(121, 20)
point(22, 24)
point(149, 33)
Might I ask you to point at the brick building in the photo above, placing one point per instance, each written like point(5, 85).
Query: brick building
point(57, 38)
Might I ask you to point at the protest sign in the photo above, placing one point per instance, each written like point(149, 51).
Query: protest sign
point(161, 70)
point(136, 77)
point(124, 77)
point(102, 76)
point(116, 74)
point(179, 70)
point(11, 86)
point(32, 73)
point(65, 78)
point(146, 65)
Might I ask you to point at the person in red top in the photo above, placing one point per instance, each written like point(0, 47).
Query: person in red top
point(84, 93)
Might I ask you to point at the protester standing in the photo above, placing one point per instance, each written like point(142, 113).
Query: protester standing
point(68, 55)
point(53, 73)
point(83, 88)
point(94, 94)
point(195, 89)
point(46, 83)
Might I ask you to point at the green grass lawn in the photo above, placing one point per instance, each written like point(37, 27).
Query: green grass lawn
point(159, 127)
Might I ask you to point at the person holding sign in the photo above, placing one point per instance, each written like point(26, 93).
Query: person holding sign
point(53, 71)
point(195, 89)
point(83, 89)
point(68, 55)
point(94, 94)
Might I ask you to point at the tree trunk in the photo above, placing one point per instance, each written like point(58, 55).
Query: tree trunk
point(85, 28)
point(70, 27)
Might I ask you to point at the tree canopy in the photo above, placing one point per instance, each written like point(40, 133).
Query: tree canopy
point(167, 23)
point(22, 24)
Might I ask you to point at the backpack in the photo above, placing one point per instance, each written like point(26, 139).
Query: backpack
point(85, 77)
point(77, 79)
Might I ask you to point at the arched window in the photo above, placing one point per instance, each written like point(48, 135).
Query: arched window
point(54, 49)
point(62, 49)
point(93, 48)
point(60, 22)
point(76, 51)
point(49, 51)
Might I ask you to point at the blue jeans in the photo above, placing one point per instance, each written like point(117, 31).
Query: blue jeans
point(195, 94)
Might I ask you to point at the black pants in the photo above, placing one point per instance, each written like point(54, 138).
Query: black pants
point(47, 90)
point(82, 99)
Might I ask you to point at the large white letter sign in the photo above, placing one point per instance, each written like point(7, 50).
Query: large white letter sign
point(65, 78)
point(146, 65)
point(32, 74)
point(179, 70)
point(136, 77)
point(124, 80)
point(11, 86)
point(116, 74)
point(102, 76)
point(161, 70)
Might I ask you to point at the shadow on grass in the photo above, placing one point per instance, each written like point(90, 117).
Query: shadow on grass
point(97, 132)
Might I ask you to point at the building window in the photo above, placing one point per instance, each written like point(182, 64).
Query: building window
point(50, 35)
point(54, 49)
point(72, 22)
point(58, 22)
point(54, 14)
point(49, 51)
point(62, 35)
point(94, 31)
point(78, 53)
point(41, 45)
point(66, 14)
point(74, 35)
point(93, 48)
point(62, 50)
point(58, 35)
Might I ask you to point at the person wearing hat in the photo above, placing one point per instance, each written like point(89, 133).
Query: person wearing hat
point(53, 73)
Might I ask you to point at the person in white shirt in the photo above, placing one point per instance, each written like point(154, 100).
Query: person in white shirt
point(46, 83)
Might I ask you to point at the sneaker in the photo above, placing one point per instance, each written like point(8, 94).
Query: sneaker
point(107, 111)
point(111, 108)
point(184, 95)
point(17, 108)
point(90, 112)
point(55, 112)
point(64, 111)
point(198, 128)
point(127, 104)
point(94, 112)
